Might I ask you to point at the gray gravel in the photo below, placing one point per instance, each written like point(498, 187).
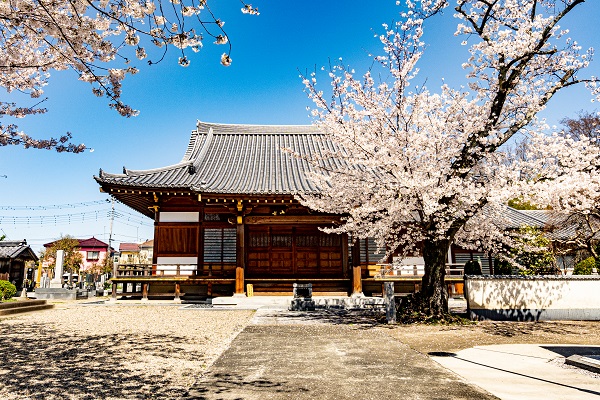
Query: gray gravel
point(560, 361)
point(112, 352)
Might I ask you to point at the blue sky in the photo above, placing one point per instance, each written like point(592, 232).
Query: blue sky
point(260, 87)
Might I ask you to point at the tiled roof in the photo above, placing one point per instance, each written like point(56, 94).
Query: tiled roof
point(15, 249)
point(540, 219)
point(129, 247)
point(91, 242)
point(235, 159)
point(147, 244)
point(519, 218)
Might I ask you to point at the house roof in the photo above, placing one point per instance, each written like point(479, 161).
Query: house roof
point(520, 218)
point(16, 249)
point(129, 247)
point(235, 159)
point(87, 243)
point(147, 243)
point(540, 219)
point(92, 242)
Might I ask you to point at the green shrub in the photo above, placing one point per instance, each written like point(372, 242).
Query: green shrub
point(472, 267)
point(7, 290)
point(533, 251)
point(502, 267)
point(584, 267)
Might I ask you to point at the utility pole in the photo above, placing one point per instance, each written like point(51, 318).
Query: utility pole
point(112, 217)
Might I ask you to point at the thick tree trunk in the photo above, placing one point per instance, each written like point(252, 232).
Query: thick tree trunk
point(434, 291)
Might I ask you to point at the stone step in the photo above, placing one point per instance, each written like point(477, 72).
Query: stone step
point(21, 303)
point(24, 309)
point(349, 302)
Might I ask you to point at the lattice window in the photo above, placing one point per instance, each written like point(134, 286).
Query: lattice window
point(281, 240)
point(307, 240)
point(259, 239)
point(332, 240)
point(219, 245)
point(369, 253)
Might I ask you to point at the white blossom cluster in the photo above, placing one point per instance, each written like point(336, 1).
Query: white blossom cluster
point(96, 39)
point(419, 169)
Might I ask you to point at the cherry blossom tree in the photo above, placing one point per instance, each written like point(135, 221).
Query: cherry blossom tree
point(575, 214)
point(97, 39)
point(586, 125)
point(419, 169)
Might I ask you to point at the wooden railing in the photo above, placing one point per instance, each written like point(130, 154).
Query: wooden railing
point(387, 270)
point(156, 270)
point(171, 270)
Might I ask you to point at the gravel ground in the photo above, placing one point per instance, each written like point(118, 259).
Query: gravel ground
point(148, 351)
point(451, 338)
point(112, 352)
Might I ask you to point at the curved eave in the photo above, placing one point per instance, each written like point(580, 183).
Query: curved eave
point(142, 199)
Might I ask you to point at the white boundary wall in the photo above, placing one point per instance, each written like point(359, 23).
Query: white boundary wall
point(533, 298)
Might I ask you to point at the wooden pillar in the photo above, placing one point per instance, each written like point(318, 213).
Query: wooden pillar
point(113, 295)
point(356, 271)
point(240, 243)
point(239, 281)
point(357, 282)
point(345, 255)
point(177, 292)
point(240, 252)
point(144, 292)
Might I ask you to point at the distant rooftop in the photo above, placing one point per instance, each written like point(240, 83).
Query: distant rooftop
point(91, 242)
point(129, 247)
point(16, 249)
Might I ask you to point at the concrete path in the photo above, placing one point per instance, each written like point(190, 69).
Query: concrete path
point(524, 371)
point(325, 355)
point(339, 354)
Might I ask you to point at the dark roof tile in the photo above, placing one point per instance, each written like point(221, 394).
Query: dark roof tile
point(235, 159)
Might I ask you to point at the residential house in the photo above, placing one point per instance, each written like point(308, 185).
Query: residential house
point(146, 252)
point(129, 253)
point(15, 258)
point(93, 252)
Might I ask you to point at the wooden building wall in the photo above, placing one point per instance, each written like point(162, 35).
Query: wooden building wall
point(267, 240)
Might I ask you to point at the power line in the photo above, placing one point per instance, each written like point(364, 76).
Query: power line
point(42, 220)
point(56, 206)
point(96, 235)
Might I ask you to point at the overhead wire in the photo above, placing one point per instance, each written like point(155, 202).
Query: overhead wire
point(55, 206)
point(57, 219)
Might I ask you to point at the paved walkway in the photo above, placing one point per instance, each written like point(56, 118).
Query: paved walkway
point(325, 355)
point(338, 355)
point(524, 371)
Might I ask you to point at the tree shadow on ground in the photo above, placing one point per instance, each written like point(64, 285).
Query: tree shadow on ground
point(510, 329)
point(568, 351)
point(359, 318)
point(221, 384)
point(59, 366)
